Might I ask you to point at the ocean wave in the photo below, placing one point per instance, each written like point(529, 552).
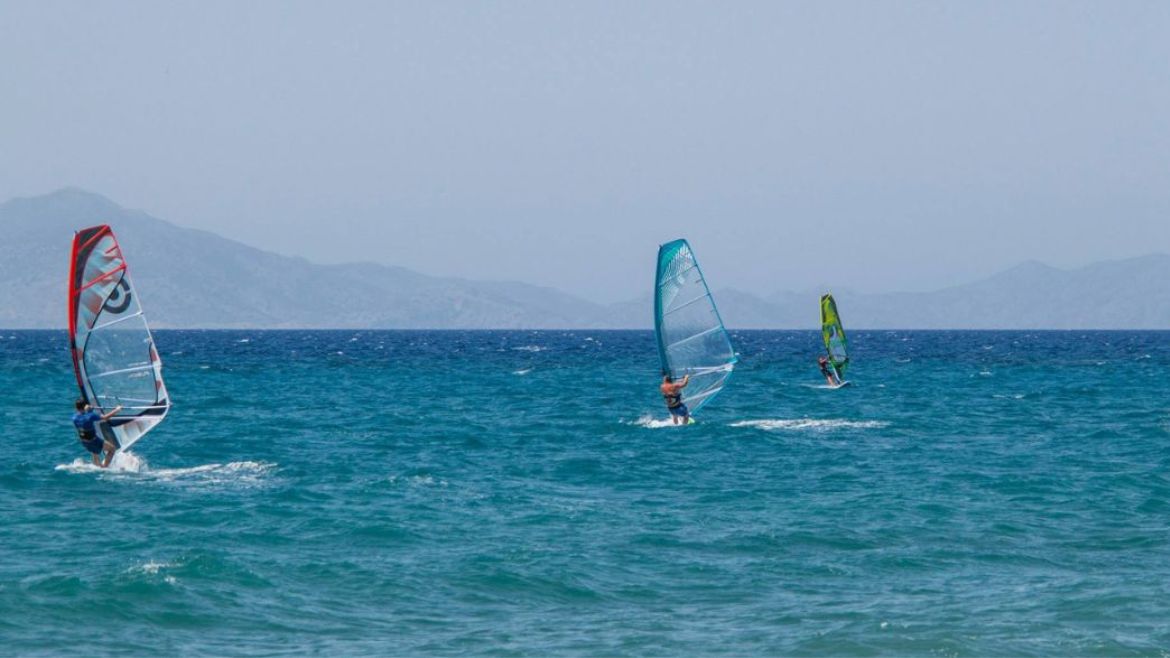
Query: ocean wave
point(194, 565)
point(530, 348)
point(815, 424)
point(417, 480)
point(153, 569)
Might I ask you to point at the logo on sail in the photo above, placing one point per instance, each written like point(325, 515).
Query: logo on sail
point(119, 299)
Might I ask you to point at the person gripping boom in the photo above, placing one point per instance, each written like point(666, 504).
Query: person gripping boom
point(672, 393)
point(85, 420)
point(829, 372)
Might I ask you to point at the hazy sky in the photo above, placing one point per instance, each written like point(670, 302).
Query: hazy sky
point(870, 145)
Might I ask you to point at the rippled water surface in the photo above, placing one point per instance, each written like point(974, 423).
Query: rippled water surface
point(515, 493)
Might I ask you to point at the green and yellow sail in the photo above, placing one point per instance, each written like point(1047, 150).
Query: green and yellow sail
point(834, 335)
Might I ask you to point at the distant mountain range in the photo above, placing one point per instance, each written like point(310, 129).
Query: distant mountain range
point(191, 278)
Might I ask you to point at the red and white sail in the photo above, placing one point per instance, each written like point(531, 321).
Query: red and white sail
point(114, 355)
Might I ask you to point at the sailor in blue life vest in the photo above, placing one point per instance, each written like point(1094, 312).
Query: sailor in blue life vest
point(829, 373)
point(86, 420)
point(672, 392)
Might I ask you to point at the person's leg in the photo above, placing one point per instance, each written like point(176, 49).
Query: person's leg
point(96, 461)
point(109, 453)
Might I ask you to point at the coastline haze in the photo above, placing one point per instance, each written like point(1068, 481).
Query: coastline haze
point(876, 148)
point(196, 279)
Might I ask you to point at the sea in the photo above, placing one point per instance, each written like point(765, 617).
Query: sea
point(521, 493)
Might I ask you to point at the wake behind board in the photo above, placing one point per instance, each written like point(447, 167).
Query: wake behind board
point(841, 385)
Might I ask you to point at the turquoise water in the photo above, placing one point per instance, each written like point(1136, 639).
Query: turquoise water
point(514, 493)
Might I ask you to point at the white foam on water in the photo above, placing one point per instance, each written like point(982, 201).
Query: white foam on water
point(650, 422)
point(244, 340)
point(153, 568)
point(238, 473)
point(522, 372)
point(79, 465)
point(132, 467)
point(814, 424)
point(530, 348)
point(426, 481)
point(123, 462)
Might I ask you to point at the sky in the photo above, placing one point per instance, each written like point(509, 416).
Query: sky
point(872, 146)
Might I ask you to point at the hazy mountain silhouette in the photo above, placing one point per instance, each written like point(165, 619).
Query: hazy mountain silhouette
point(192, 278)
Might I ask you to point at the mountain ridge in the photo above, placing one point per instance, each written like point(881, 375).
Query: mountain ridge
point(192, 278)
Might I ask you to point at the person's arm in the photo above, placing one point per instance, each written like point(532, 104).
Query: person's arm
point(686, 380)
point(113, 412)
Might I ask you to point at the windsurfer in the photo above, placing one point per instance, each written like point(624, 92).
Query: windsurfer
point(86, 420)
point(672, 392)
point(828, 371)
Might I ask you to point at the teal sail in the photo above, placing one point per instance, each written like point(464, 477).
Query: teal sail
point(690, 333)
point(834, 335)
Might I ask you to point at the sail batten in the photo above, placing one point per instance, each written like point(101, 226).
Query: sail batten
point(688, 269)
point(680, 307)
point(695, 337)
point(110, 373)
point(116, 321)
point(691, 337)
point(114, 356)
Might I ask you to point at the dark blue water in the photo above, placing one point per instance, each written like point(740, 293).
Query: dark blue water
point(514, 493)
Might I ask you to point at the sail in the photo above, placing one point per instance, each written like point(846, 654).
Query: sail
point(114, 355)
point(834, 334)
point(691, 337)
